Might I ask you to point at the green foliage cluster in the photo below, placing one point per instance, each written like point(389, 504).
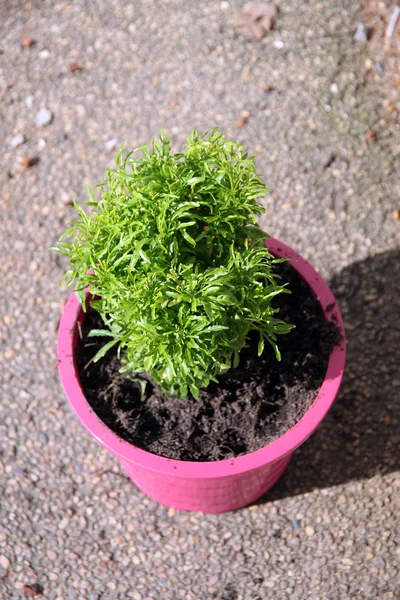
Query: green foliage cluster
point(176, 262)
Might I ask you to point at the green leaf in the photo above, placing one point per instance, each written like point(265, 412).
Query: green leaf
point(188, 238)
point(103, 350)
point(195, 391)
point(100, 332)
point(212, 328)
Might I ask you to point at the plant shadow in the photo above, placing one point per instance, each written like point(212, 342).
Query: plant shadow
point(360, 437)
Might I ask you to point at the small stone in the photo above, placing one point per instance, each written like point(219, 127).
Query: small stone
point(31, 591)
point(309, 530)
point(297, 523)
point(41, 144)
point(29, 161)
point(241, 121)
point(8, 354)
point(136, 560)
point(370, 136)
point(368, 64)
point(27, 42)
point(111, 144)
point(278, 44)
point(51, 555)
point(255, 19)
point(43, 117)
point(29, 101)
point(17, 140)
point(7, 319)
point(334, 88)
point(396, 214)
point(72, 67)
point(348, 561)
point(361, 34)
point(4, 562)
point(63, 524)
point(44, 54)
point(224, 5)
point(387, 420)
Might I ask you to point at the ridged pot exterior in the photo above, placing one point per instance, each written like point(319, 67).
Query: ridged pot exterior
point(217, 495)
point(209, 487)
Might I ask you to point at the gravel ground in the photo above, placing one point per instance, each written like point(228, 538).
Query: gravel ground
point(318, 107)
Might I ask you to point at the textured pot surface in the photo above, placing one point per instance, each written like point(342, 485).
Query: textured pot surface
point(205, 486)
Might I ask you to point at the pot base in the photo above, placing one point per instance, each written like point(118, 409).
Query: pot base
point(207, 496)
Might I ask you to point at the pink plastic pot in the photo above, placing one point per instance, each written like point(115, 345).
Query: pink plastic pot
point(210, 487)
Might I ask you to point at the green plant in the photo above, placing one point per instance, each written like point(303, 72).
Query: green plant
point(176, 262)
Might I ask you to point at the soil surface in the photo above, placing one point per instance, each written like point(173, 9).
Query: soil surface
point(249, 407)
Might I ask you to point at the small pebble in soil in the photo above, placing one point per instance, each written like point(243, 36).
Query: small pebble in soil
point(43, 117)
point(29, 161)
point(17, 140)
point(27, 42)
point(72, 67)
point(361, 34)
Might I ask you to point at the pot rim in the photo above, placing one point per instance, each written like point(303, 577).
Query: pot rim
point(287, 443)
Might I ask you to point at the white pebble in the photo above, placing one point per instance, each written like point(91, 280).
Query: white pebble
point(17, 140)
point(63, 524)
point(43, 117)
point(4, 562)
point(310, 530)
point(279, 44)
point(111, 144)
point(361, 35)
point(334, 88)
point(44, 54)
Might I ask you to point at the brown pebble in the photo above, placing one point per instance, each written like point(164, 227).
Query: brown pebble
point(396, 214)
point(27, 42)
point(267, 88)
point(243, 118)
point(29, 161)
point(31, 591)
point(370, 136)
point(72, 67)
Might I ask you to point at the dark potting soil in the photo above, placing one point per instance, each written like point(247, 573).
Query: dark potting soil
point(249, 407)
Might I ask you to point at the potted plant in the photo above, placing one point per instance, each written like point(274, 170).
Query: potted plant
point(198, 350)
